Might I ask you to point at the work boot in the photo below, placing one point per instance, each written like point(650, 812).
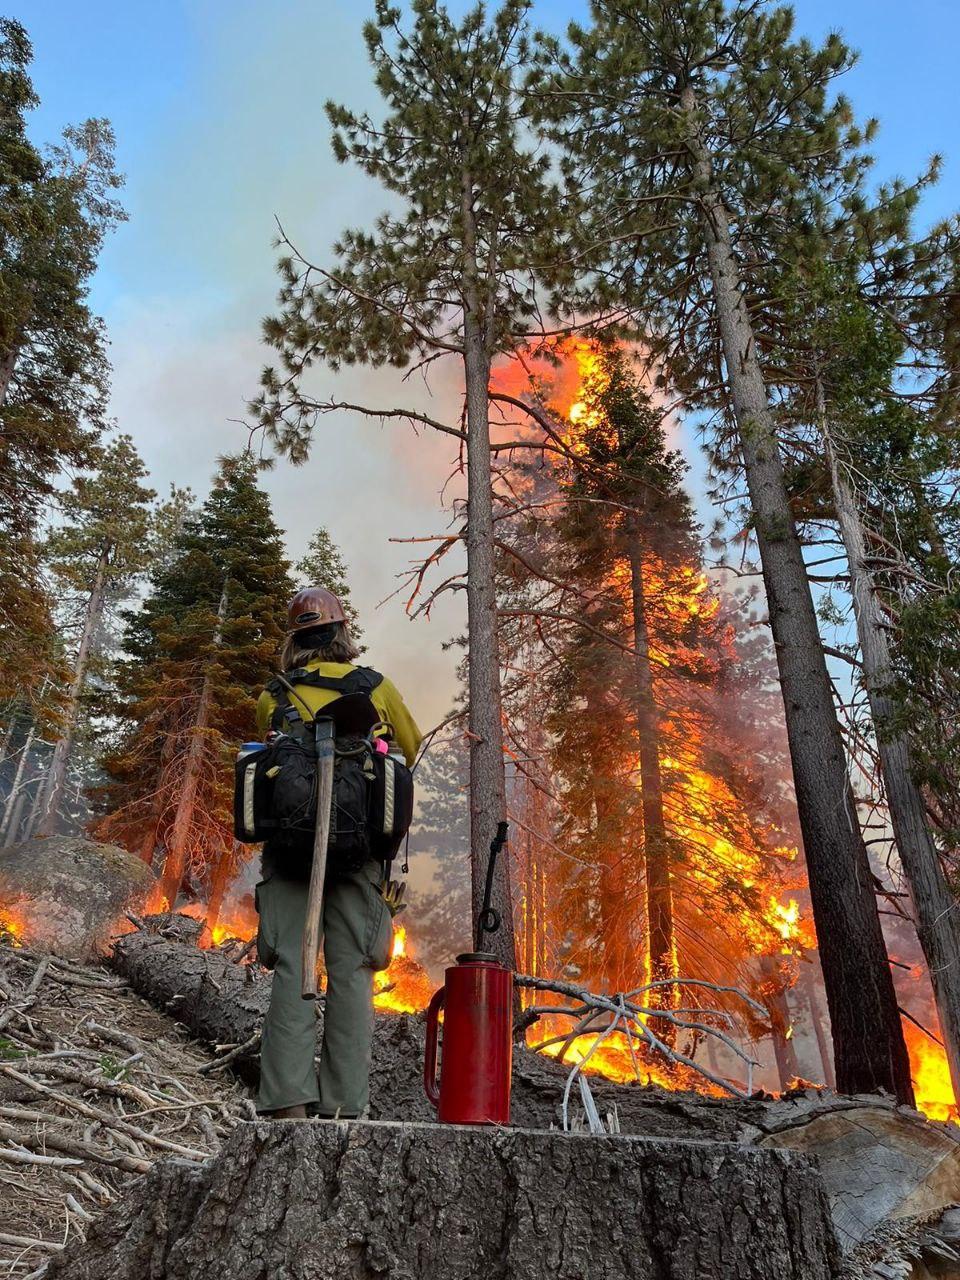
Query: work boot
point(299, 1112)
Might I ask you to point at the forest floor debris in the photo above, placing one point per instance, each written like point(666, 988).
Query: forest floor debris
point(95, 1085)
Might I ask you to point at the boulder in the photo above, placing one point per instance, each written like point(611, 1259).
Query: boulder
point(68, 895)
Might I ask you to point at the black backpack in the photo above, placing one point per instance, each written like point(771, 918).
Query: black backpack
point(275, 792)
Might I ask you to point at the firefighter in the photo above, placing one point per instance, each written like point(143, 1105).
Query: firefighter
point(357, 922)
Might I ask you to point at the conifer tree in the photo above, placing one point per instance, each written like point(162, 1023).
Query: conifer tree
point(95, 558)
point(880, 468)
point(644, 695)
point(451, 273)
point(55, 210)
point(323, 566)
point(703, 131)
point(194, 660)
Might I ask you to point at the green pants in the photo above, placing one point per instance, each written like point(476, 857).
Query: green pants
point(357, 937)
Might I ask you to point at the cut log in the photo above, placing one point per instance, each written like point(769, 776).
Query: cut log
point(353, 1200)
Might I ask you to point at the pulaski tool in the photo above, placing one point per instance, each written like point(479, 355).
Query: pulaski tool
point(323, 729)
point(477, 1003)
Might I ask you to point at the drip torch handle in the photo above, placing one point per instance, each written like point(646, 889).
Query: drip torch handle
point(488, 921)
point(430, 1085)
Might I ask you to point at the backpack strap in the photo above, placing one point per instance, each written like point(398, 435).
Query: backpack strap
point(286, 718)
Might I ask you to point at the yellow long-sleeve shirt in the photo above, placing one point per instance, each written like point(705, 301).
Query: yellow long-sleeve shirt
point(386, 698)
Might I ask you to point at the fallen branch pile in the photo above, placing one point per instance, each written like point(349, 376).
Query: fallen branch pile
point(95, 1086)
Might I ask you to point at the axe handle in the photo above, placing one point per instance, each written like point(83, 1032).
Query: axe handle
point(318, 871)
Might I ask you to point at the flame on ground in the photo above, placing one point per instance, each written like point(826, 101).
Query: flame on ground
point(405, 986)
point(13, 929)
point(613, 1061)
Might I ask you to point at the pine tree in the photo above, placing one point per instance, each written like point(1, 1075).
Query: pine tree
point(323, 566)
point(614, 502)
point(876, 460)
point(451, 273)
point(704, 131)
point(55, 210)
point(195, 655)
point(95, 558)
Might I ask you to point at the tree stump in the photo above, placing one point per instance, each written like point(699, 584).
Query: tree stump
point(355, 1200)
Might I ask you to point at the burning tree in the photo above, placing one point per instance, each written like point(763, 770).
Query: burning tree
point(451, 273)
point(667, 855)
point(704, 134)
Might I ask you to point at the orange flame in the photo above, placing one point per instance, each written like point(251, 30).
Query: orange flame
point(13, 929)
point(405, 986)
point(931, 1075)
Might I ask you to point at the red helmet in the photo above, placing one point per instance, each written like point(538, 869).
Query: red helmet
point(313, 607)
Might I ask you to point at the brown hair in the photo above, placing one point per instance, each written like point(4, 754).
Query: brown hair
point(342, 648)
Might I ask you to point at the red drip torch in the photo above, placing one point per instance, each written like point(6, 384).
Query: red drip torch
point(477, 1004)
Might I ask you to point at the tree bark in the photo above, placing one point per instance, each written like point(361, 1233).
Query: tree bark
point(816, 1021)
point(177, 846)
point(487, 784)
point(936, 910)
point(346, 1201)
point(656, 843)
point(56, 778)
point(14, 802)
point(870, 1052)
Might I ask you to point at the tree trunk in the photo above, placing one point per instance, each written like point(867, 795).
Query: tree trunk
point(14, 801)
point(8, 362)
point(816, 1021)
point(870, 1052)
point(56, 778)
point(220, 882)
point(348, 1201)
point(936, 910)
point(781, 1030)
point(178, 843)
point(656, 843)
point(487, 787)
point(148, 845)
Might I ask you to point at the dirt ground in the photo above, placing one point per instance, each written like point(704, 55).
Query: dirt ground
point(95, 1085)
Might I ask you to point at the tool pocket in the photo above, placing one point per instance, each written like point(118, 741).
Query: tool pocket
point(378, 935)
point(267, 951)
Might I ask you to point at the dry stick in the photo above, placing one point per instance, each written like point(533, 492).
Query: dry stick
point(641, 1031)
point(28, 1157)
point(75, 980)
point(70, 1075)
point(29, 996)
point(244, 951)
point(81, 1150)
point(219, 1063)
point(25, 1242)
point(33, 1117)
point(121, 1038)
point(105, 1118)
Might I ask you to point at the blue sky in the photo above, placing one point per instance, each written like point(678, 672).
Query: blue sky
point(218, 110)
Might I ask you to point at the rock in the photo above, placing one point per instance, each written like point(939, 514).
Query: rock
point(354, 1200)
point(68, 894)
